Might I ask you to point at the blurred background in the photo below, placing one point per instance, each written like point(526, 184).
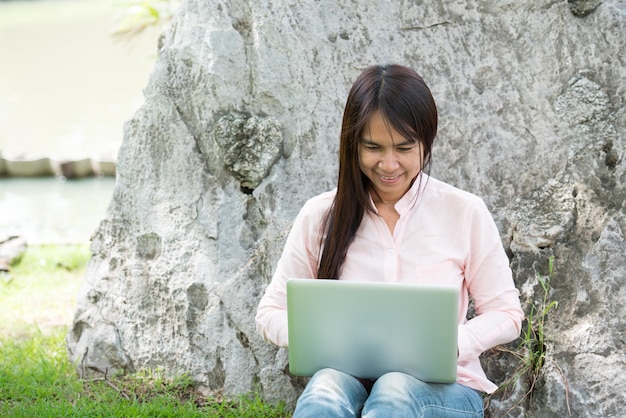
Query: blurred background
point(71, 73)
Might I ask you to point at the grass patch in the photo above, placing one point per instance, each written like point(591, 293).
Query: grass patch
point(37, 380)
point(40, 291)
point(36, 377)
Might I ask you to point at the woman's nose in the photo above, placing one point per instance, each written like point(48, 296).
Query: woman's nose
point(388, 162)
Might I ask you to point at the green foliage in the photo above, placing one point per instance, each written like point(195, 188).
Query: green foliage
point(533, 341)
point(141, 14)
point(38, 380)
point(532, 353)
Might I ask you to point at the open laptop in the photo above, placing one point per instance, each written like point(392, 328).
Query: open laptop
point(367, 329)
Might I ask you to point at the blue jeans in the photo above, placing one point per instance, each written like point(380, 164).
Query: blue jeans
point(331, 393)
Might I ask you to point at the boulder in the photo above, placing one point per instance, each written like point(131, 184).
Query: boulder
point(240, 126)
point(12, 249)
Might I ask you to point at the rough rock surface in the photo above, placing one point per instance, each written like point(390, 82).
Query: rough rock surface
point(240, 126)
point(12, 249)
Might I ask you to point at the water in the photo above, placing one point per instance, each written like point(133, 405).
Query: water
point(47, 210)
point(66, 89)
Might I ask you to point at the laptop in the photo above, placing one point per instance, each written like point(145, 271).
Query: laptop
point(367, 329)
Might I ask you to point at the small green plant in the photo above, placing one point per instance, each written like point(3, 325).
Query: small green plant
point(533, 342)
point(532, 352)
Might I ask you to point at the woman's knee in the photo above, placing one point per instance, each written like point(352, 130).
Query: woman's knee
point(396, 383)
point(391, 392)
point(331, 393)
point(334, 380)
point(412, 397)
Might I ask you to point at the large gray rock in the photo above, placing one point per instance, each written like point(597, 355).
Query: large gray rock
point(240, 126)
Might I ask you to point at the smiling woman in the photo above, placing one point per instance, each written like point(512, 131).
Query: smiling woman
point(390, 161)
point(389, 221)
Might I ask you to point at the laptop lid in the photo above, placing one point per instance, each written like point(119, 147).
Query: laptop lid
point(368, 329)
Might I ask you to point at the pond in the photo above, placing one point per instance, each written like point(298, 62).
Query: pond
point(46, 210)
point(66, 88)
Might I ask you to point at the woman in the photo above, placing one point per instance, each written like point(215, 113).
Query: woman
point(389, 221)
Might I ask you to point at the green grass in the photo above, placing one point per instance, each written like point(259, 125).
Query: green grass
point(36, 377)
point(40, 292)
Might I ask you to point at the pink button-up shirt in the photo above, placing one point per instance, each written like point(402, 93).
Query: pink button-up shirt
point(444, 235)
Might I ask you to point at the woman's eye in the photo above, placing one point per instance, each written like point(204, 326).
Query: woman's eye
point(403, 149)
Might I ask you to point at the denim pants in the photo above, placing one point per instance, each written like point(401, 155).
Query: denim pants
point(331, 393)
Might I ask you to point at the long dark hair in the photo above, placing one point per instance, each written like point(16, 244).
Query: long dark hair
point(405, 102)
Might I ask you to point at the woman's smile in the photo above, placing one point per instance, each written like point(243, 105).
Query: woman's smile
point(389, 160)
point(389, 180)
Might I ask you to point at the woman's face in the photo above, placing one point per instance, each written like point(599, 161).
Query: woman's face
point(389, 160)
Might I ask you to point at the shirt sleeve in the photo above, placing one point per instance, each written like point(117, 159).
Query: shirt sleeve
point(489, 281)
point(299, 259)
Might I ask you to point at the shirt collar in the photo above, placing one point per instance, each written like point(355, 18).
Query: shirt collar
point(411, 197)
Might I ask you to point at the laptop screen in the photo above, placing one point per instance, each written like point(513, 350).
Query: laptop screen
point(369, 328)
